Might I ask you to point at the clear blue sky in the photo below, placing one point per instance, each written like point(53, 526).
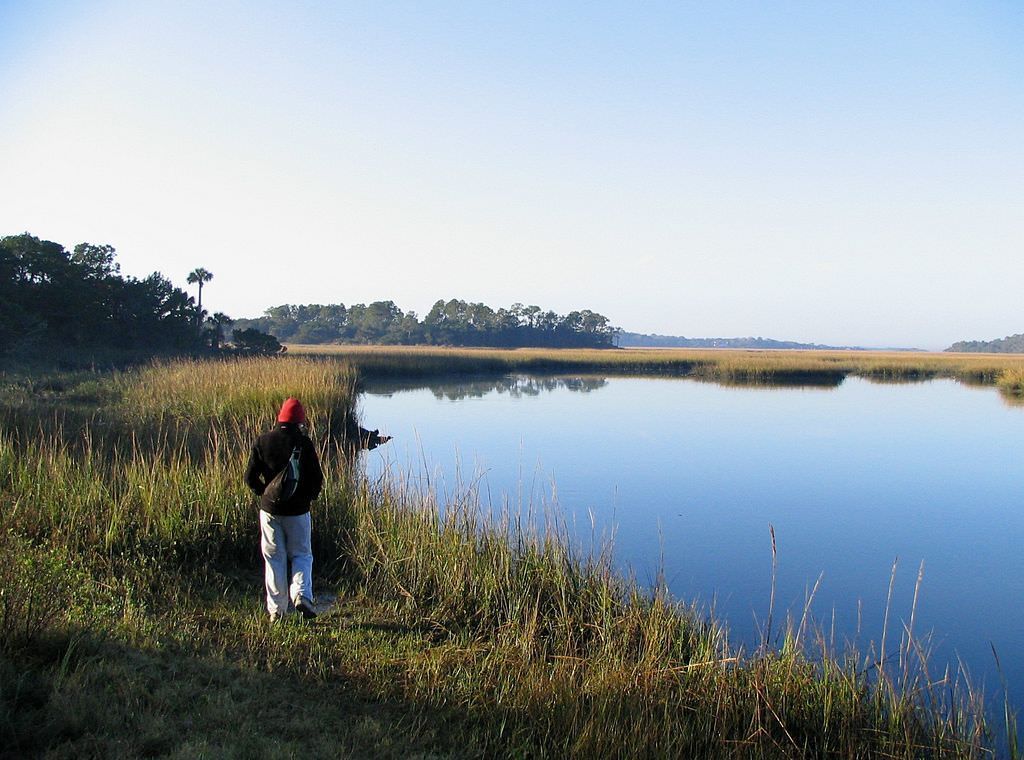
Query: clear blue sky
point(834, 172)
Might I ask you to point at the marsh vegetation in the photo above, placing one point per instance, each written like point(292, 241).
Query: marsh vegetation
point(815, 368)
point(131, 622)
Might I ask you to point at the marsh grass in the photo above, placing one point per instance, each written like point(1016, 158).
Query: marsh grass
point(570, 655)
point(205, 392)
point(813, 368)
point(1011, 382)
point(129, 536)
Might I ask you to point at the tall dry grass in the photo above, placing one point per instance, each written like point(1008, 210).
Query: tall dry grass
point(157, 468)
point(234, 390)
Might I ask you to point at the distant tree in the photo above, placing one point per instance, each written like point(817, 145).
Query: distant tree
point(406, 331)
point(370, 323)
point(281, 321)
point(26, 267)
point(161, 314)
point(200, 276)
point(252, 342)
point(95, 261)
point(482, 322)
point(1011, 344)
point(453, 322)
point(531, 316)
point(317, 323)
point(446, 322)
point(217, 323)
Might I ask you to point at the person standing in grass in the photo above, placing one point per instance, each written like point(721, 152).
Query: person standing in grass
point(284, 471)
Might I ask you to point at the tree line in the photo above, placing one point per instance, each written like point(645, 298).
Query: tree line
point(51, 297)
point(54, 298)
point(452, 323)
point(1011, 344)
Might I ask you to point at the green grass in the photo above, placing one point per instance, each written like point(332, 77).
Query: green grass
point(211, 679)
point(131, 625)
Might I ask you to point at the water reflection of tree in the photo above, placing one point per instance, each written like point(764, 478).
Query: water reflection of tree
point(516, 386)
point(523, 386)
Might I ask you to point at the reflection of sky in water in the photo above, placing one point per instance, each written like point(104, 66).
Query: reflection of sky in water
point(851, 478)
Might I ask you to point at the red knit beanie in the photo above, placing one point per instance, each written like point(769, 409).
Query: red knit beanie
point(292, 411)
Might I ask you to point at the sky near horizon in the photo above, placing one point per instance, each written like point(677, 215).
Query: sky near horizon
point(842, 173)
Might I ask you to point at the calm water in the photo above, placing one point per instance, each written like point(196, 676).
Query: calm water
point(690, 475)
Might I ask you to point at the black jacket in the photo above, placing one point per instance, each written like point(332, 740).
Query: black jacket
point(269, 456)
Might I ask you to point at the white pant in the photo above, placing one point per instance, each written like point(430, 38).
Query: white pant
point(284, 539)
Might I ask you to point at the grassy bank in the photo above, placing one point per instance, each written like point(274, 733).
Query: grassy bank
point(131, 621)
point(813, 368)
point(1011, 382)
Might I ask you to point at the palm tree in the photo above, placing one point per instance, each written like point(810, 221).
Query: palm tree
point(199, 276)
point(219, 321)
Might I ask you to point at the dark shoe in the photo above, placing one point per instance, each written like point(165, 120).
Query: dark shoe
point(305, 606)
